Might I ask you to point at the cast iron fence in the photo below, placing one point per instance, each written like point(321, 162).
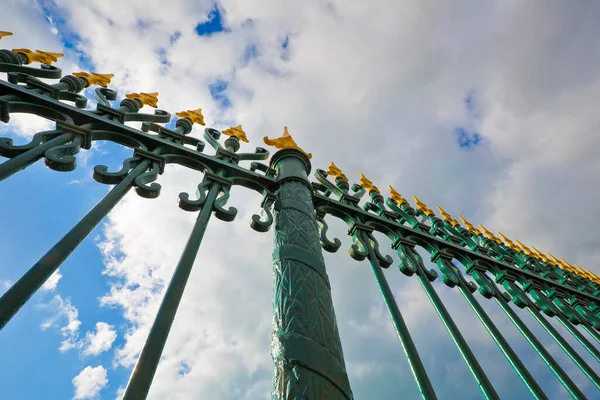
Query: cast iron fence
point(306, 349)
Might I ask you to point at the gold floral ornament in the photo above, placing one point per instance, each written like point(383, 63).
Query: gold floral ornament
point(556, 262)
point(368, 185)
point(40, 56)
point(510, 243)
point(489, 234)
point(334, 171)
point(193, 115)
point(94, 78)
point(4, 34)
point(422, 207)
point(526, 249)
point(285, 142)
point(594, 277)
point(237, 132)
point(147, 99)
point(397, 197)
point(469, 226)
point(447, 217)
point(540, 255)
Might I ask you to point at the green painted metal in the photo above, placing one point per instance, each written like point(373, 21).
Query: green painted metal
point(306, 348)
point(305, 343)
point(15, 297)
point(145, 368)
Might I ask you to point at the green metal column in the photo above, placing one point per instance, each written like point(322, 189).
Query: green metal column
point(305, 344)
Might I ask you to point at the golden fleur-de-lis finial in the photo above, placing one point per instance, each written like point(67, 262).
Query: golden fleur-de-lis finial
point(447, 217)
point(422, 207)
point(147, 99)
point(95, 78)
point(581, 271)
point(469, 226)
point(367, 184)
point(193, 115)
point(285, 142)
point(397, 197)
point(594, 277)
point(509, 243)
point(525, 249)
point(4, 34)
point(540, 254)
point(489, 234)
point(237, 132)
point(40, 56)
point(334, 171)
point(556, 261)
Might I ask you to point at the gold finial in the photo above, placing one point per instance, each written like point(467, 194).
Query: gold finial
point(594, 277)
point(147, 99)
point(447, 217)
point(509, 242)
point(540, 254)
point(43, 57)
point(469, 226)
point(489, 234)
point(569, 267)
point(397, 197)
point(94, 78)
point(556, 261)
point(237, 132)
point(3, 34)
point(525, 249)
point(422, 207)
point(367, 184)
point(334, 171)
point(582, 272)
point(195, 116)
point(285, 142)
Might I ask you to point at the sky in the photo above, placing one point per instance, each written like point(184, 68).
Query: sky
point(487, 109)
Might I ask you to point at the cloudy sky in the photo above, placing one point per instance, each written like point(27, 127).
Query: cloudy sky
point(488, 109)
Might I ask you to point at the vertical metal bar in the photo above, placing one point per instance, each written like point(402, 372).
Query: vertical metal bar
point(145, 367)
point(32, 280)
point(480, 377)
point(579, 337)
point(570, 351)
point(593, 333)
point(22, 161)
point(560, 374)
point(410, 350)
point(508, 352)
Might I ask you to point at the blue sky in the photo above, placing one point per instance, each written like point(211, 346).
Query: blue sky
point(473, 120)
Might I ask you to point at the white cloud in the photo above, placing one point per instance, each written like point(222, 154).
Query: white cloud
point(89, 382)
point(52, 282)
point(99, 341)
point(66, 318)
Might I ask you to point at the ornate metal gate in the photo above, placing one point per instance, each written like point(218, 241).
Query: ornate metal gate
point(306, 348)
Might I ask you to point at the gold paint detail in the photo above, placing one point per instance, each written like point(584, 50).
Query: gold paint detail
point(40, 56)
point(540, 254)
point(147, 99)
point(489, 234)
point(285, 142)
point(334, 171)
point(196, 117)
point(469, 226)
point(368, 185)
point(94, 78)
point(422, 207)
point(526, 249)
point(509, 243)
point(448, 217)
point(397, 197)
point(4, 34)
point(237, 132)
